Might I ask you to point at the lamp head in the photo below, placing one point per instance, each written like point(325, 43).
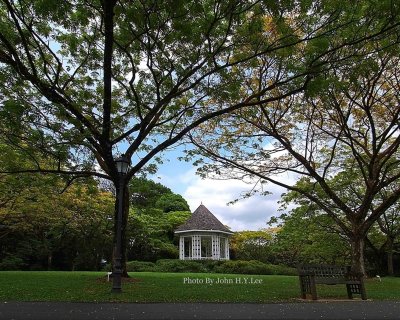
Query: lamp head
point(122, 163)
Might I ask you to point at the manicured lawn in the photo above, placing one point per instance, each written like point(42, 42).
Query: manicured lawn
point(171, 287)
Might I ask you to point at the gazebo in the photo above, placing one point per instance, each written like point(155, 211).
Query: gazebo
point(203, 236)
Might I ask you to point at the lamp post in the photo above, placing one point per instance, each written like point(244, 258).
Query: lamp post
point(122, 165)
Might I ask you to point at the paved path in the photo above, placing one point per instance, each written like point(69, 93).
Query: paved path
point(124, 311)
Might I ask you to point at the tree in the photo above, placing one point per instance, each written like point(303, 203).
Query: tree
point(172, 202)
point(145, 193)
point(151, 234)
point(46, 227)
point(93, 78)
point(307, 234)
point(252, 245)
point(382, 242)
point(389, 225)
point(340, 135)
point(154, 215)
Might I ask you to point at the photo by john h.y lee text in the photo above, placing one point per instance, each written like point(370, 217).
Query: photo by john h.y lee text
point(223, 281)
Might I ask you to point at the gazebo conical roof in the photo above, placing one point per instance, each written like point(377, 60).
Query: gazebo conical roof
point(202, 220)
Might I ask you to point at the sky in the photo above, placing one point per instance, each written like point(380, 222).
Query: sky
point(249, 214)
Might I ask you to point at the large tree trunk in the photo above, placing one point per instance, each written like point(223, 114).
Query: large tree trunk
point(378, 257)
point(389, 250)
point(357, 250)
point(49, 261)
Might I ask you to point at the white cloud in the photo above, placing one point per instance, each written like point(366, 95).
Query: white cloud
point(247, 214)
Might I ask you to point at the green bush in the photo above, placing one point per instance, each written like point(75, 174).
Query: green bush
point(12, 263)
point(282, 270)
point(210, 266)
point(140, 266)
point(243, 267)
point(107, 267)
point(253, 267)
point(175, 265)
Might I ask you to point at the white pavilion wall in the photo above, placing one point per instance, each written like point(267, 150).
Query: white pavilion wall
point(216, 241)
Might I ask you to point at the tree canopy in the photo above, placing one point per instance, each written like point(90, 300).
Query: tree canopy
point(89, 79)
point(145, 194)
point(44, 226)
point(86, 80)
point(340, 135)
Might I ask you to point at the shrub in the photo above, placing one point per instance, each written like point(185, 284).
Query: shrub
point(140, 266)
point(242, 267)
point(282, 270)
point(107, 267)
point(174, 265)
point(253, 267)
point(208, 266)
point(12, 263)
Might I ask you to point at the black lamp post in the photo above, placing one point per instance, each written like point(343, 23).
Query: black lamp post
point(122, 165)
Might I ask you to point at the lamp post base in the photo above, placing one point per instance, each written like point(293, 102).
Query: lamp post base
point(116, 288)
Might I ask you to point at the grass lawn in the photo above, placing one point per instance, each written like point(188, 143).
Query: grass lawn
point(172, 287)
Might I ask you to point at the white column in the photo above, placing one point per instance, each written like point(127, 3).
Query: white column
point(216, 247)
point(181, 248)
point(226, 248)
point(196, 246)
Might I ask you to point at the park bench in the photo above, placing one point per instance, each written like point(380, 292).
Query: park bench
point(311, 275)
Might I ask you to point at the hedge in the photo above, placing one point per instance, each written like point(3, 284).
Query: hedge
point(210, 266)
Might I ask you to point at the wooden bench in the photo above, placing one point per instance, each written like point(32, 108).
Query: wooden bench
point(311, 275)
